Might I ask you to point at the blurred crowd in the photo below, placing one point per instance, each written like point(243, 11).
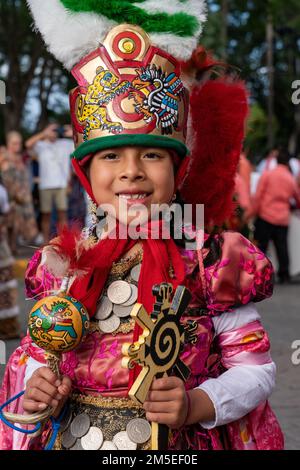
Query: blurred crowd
point(266, 197)
point(39, 191)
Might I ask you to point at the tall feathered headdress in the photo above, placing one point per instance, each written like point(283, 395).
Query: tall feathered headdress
point(132, 89)
point(129, 84)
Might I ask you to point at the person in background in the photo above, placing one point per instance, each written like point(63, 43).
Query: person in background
point(272, 206)
point(244, 170)
point(9, 309)
point(77, 207)
point(52, 147)
point(242, 197)
point(35, 182)
point(21, 221)
point(270, 162)
point(2, 154)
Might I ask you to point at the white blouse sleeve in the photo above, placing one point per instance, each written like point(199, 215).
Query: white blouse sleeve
point(240, 389)
point(31, 366)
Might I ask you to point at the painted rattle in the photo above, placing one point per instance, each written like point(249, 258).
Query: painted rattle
point(57, 324)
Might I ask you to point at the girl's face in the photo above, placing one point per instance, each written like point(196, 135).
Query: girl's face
point(130, 176)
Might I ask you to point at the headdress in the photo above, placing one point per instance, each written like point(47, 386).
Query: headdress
point(128, 82)
point(133, 89)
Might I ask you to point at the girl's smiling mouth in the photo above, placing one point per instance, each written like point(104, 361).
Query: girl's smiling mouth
point(133, 196)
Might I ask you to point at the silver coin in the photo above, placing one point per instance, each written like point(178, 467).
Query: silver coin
point(93, 440)
point(121, 311)
point(138, 430)
point(66, 421)
point(133, 298)
point(104, 308)
point(135, 272)
point(119, 292)
point(77, 446)
point(122, 441)
point(67, 439)
point(80, 425)
point(108, 445)
point(110, 325)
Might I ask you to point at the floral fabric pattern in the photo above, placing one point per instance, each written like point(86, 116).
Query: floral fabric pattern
point(241, 274)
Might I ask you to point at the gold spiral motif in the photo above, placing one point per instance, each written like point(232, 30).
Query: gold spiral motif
point(165, 344)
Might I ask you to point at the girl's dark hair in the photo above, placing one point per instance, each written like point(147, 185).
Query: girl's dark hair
point(213, 243)
point(178, 241)
point(214, 246)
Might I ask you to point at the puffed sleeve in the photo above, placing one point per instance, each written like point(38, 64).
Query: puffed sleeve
point(241, 274)
point(39, 280)
point(16, 371)
point(240, 394)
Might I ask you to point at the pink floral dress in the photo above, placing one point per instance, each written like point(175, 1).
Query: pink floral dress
point(237, 275)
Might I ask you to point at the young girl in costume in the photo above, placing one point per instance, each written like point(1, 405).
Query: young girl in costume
point(132, 141)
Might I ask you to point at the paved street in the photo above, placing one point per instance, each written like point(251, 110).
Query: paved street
point(281, 317)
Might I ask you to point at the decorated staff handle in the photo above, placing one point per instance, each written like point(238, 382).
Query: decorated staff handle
point(159, 347)
point(56, 324)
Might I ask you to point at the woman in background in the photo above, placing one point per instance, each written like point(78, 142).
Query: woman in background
point(21, 220)
point(9, 310)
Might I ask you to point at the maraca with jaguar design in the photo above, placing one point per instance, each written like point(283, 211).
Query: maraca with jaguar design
point(57, 324)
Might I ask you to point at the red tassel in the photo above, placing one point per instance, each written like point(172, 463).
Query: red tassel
point(218, 112)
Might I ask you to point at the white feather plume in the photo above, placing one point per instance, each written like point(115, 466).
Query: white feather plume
point(70, 36)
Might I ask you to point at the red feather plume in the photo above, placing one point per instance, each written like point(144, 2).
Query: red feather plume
point(218, 112)
point(201, 61)
point(77, 252)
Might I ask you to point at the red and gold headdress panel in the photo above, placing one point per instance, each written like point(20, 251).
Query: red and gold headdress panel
point(129, 90)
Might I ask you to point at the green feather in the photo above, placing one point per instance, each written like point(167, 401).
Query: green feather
point(123, 11)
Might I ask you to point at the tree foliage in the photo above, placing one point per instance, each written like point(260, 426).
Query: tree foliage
point(27, 68)
point(246, 49)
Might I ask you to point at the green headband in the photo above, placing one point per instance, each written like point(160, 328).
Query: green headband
point(125, 140)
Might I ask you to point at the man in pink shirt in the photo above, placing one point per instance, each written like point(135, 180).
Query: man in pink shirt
point(272, 205)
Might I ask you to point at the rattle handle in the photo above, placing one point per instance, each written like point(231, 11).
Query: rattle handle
point(53, 361)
